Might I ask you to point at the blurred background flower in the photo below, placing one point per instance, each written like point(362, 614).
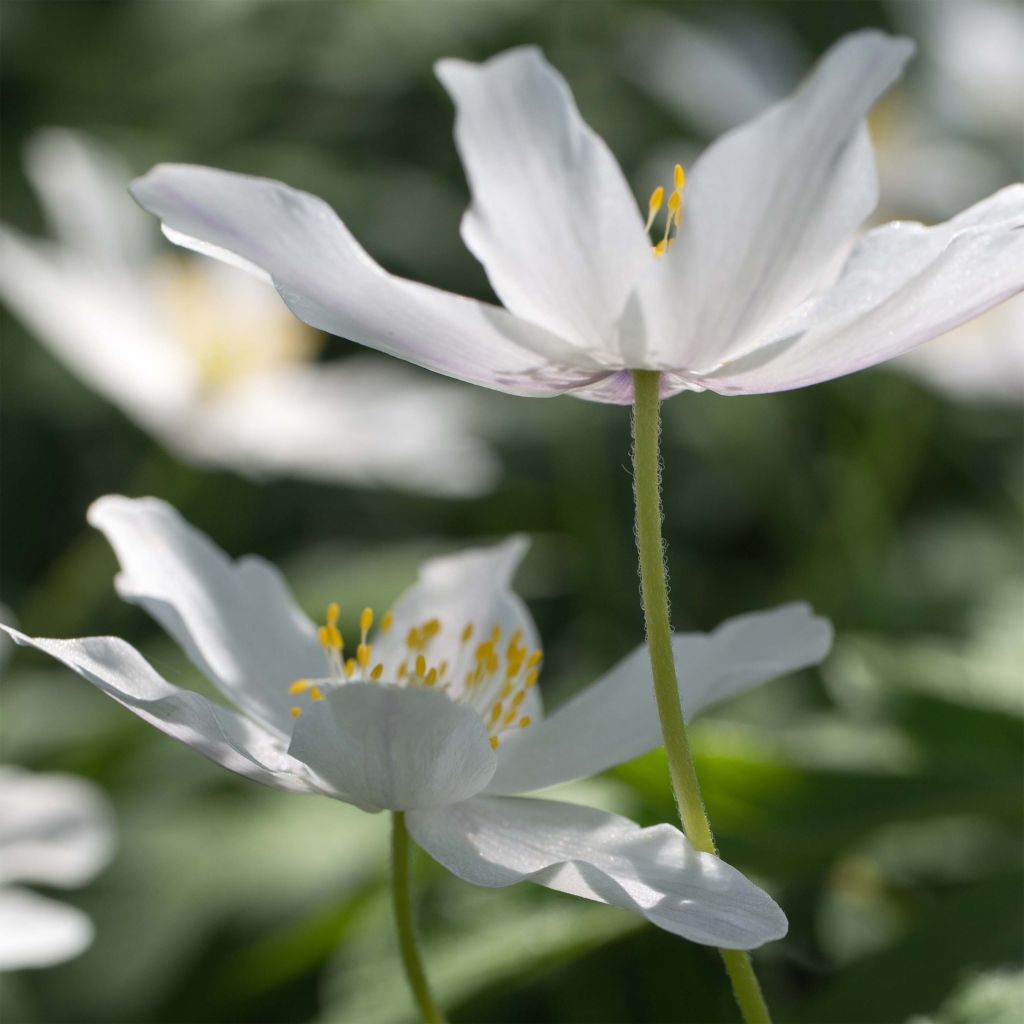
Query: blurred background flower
point(878, 800)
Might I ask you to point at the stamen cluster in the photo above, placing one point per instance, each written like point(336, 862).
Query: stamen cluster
point(674, 213)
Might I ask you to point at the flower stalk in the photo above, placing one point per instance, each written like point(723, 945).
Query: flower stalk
point(654, 592)
point(408, 944)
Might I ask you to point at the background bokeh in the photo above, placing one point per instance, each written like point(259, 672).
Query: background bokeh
point(879, 798)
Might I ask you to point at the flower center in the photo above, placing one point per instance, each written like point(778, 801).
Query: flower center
point(492, 675)
point(674, 213)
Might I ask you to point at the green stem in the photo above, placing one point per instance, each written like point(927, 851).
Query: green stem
point(654, 591)
point(401, 893)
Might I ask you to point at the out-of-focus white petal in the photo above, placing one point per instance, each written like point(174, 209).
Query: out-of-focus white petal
point(224, 736)
point(236, 620)
point(366, 421)
point(770, 206)
point(329, 281)
point(615, 719)
point(54, 829)
point(655, 872)
point(39, 932)
point(902, 285)
point(99, 321)
point(388, 748)
point(83, 189)
point(981, 361)
point(553, 220)
point(469, 588)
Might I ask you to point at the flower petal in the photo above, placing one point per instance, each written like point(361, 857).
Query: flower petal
point(329, 281)
point(368, 420)
point(224, 736)
point(54, 829)
point(902, 285)
point(236, 620)
point(39, 932)
point(468, 588)
point(392, 748)
point(497, 841)
point(615, 719)
point(553, 220)
point(770, 206)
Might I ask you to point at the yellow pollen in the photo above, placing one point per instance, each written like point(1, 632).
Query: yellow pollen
point(442, 669)
point(316, 693)
point(534, 659)
point(679, 176)
point(431, 628)
point(467, 633)
point(496, 712)
point(299, 686)
point(659, 249)
point(350, 668)
point(295, 712)
point(387, 622)
point(421, 666)
point(363, 654)
point(654, 205)
point(531, 679)
point(506, 690)
point(431, 677)
point(330, 637)
point(378, 671)
point(333, 613)
point(494, 740)
point(525, 721)
point(365, 622)
point(403, 670)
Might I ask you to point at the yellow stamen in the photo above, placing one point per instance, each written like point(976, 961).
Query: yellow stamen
point(494, 742)
point(467, 633)
point(378, 671)
point(295, 712)
point(654, 205)
point(421, 666)
point(316, 693)
point(531, 679)
point(495, 635)
point(387, 622)
point(363, 654)
point(431, 677)
point(299, 686)
point(495, 712)
point(534, 659)
point(350, 668)
point(659, 249)
point(525, 721)
point(679, 176)
point(330, 637)
point(365, 622)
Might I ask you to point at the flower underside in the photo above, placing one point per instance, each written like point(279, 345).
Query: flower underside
point(491, 676)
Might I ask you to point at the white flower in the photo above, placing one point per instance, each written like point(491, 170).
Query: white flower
point(207, 359)
point(436, 715)
point(55, 830)
point(765, 287)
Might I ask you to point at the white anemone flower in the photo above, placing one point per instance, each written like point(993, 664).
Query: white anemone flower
point(435, 714)
point(206, 359)
point(55, 830)
point(760, 285)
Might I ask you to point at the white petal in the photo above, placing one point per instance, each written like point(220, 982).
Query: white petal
point(236, 620)
point(497, 841)
point(390, 748)
point(553, 220)
point(616, 719)
point(54, 829)
point(904, 284)
point(39, 932)
point(770, 206)
point(366, 421)
point(222, 735)
point(329, 281)
point(472, 587)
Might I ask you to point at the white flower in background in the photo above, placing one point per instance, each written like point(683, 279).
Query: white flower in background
point(435, 714)
point(761, 285)
point(55, 830)
point(939, 139)
point(207, 359)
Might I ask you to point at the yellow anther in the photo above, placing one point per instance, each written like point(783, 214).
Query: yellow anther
point(467, 632)
point(518, 698)
point(299, 686)
point(531, 679)
point(654, 205)
point(316, 693)
point(679, 176)
point(431, 677)
point(442, 669)
point(350, 668)
point(365, 622)
point(494, 743)
point(674, 202)
point(330, 637)
point(431, 628)
point(387, 621)
point(363, 654)
point(378, 671)
point(484, 651)
point(534, 659)
point(333, 613)
point(403, 670)
point(659, 249)
point(495, 635)
point(525, 721)
point(295, 712)
point(506, 690)
point(496, 712)
point(421, 666)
